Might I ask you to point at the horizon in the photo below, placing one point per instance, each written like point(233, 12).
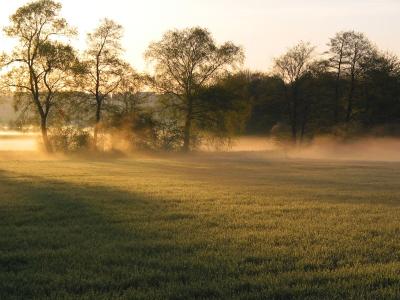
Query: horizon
point(264, 29)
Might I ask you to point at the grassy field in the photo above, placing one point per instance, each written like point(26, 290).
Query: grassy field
point(217, 226)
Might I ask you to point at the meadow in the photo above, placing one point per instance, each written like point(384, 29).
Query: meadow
point(215, 226)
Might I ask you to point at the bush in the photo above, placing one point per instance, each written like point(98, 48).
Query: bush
point(70, 139)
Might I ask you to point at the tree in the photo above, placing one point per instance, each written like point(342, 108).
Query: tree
point(315, 100)
point(125, 107)
point(227, 106)
point(127, 97)
point(103, 67)
point(185, 62)
point(291, 67)
point(380, 85)
point(338, 49)
point(268, 103)
point(357, 49)
point(39, 61)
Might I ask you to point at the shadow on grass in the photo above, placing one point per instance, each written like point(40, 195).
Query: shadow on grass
point(62, 240)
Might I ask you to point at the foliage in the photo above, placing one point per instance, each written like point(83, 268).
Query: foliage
point(187, 61)
point(70, 139)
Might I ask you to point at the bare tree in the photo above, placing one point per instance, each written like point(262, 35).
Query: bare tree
point(103, 66)
point(291, 67)
point(38, 63)
point(186, 61)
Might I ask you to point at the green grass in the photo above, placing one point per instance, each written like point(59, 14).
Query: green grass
point(199, 227)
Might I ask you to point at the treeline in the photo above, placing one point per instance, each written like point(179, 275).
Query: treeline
point(352, 89)
point(197, 92)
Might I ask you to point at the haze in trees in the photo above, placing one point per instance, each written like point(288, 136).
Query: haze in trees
point(195, 92)
point(40, 61)
point(103, 67)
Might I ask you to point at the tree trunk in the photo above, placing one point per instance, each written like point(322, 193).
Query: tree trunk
point(304, 124)
point(188, 127)
point(43, 118)
point(294, 115)
point(45, 138)
point(294, 132)
point(303, 130)
point(336, 103)
point(350, 101)
point(96, 125)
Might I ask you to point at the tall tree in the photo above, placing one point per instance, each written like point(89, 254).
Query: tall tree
point(38, 60)
point(338, 49)
point(103, 66)
point(358, 48)
point(185, 62)
point(291, 67)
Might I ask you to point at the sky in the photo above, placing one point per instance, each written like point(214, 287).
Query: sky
point(264, 28)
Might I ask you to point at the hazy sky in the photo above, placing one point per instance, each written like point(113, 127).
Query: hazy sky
point(265, 28)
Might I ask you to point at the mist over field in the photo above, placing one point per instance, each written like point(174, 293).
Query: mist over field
point(24, 145)
point(324, 148)
point(16, 141)
point(365, 149)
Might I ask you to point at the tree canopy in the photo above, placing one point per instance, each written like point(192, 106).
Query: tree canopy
point(185, 62)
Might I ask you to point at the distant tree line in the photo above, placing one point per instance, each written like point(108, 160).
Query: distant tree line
point(197, 91)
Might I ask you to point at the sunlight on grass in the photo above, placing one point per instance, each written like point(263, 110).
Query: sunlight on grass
point(199, 227)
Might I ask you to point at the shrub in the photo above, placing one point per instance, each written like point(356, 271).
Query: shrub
point(70, 139)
